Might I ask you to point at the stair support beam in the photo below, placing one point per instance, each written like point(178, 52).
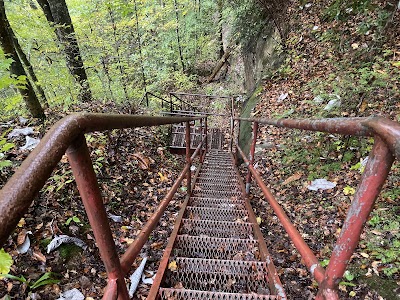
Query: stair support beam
point(85, 177)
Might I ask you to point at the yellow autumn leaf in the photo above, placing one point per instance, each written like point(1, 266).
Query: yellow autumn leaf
point(259, 220)
point(21, 222)
point(162, 177)
point(172, 266)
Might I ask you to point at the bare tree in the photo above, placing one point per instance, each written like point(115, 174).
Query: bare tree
point(16, 68)
point(57, 14)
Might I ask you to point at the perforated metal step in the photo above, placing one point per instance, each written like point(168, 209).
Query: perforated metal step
point(215, 254)
point(232, 276)
point(208, 213)
point(220, 186)
point(216, 203)
point(217, 194)
point(217, 229)
point(216, 248)
point(184, 294)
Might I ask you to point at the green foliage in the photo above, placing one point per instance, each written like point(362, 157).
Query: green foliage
point(74, 218)
point(248, 19)
point(5, 147)
point(383, 249)
point(342, 9)
point(5, 262)
point(45, 279)
point(116, 52)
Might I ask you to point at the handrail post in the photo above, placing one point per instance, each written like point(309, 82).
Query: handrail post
point(206, 131)
point(85, 177)
point(201, 139)
point(188, 160)
point(237, 143)
point(374, 176)
point(170, 102)
point(251, 160)
point(232, 132)
point(147, 99)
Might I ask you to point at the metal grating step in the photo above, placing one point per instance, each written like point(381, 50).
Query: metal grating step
point(220, 275)
point(226, 175)
point(184, 294)
point(234, 230)
point(209, 176)
point(217, 203)
point(207, 213)
point(216, 248)
point(216, 181)
point(217, 194)
point(215, 186)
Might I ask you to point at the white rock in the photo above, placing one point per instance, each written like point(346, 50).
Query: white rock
point(73, 294)
point(282, 97)
point(30, 143)
point(318, 99)
point(20, 131)
point(321, 184)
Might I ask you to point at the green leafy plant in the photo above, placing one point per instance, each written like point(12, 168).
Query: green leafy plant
point(4, 147)
point(45, 279)
point(6, 262)
point(74, 219)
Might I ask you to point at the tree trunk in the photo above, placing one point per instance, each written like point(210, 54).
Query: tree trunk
point(178, 35)
point(16, 68)
point(56, 12)
point(140, 48)
point(220, 64)
point(220, 36)
point(116, 46)
point(28, 66)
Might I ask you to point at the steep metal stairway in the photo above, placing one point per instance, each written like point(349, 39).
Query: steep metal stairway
point(219, 252)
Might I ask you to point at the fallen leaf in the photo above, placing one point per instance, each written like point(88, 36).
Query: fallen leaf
point(259, 220)
point(39, 256)
point(294, 177)
point(162, 177)
point(143, 161)
point(172, 266)
point(21, 222)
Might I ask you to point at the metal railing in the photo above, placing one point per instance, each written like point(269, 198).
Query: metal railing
point(67, 136)
point(174, 103)
point(386, 148)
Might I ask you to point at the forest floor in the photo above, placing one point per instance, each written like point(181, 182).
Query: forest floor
point(339, 60)
point(134, 170)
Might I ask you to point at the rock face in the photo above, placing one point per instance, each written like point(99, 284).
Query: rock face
point(260, 56)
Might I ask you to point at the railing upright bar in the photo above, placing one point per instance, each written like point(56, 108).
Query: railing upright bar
point(85, 177)
point(374, 176)
point(134, 249)
point(206, 129)
point(237, 142)
point(309, 257)
point(188, 160)
point(201, 139)
point(252, 151)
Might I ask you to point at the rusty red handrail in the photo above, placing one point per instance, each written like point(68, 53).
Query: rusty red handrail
point(385, 149)
point(67, 135)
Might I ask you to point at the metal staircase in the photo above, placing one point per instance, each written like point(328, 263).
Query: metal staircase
point(217, 252)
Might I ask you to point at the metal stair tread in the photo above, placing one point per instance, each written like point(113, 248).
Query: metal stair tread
point(183, 294)
point(216, 248)
point(217, 202)
point(220, 214)
point(219, 275)
point(211, 228)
